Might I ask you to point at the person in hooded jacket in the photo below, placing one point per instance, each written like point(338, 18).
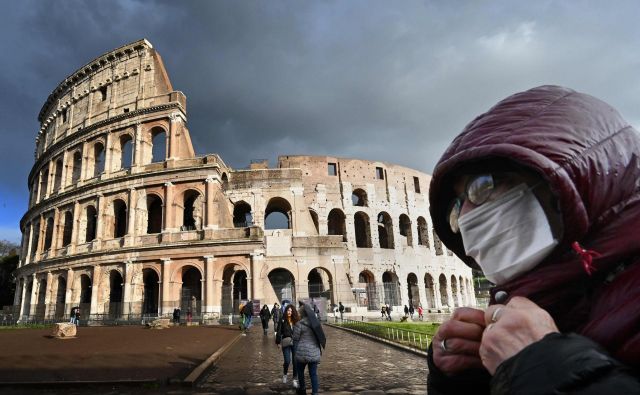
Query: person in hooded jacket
point(275, 315)
point(308, 352)
point(558, 169)
point(265, 316)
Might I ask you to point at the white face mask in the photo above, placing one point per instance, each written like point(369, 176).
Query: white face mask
point(508, 236)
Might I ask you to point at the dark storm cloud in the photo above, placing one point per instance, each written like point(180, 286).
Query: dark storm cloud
point(368, 79)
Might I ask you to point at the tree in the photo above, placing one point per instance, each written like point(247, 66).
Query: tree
point(8, 264)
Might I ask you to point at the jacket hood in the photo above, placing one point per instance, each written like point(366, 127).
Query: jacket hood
point(581, 146)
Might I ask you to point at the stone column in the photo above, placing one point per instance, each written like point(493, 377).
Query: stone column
point(65, 170)
point(85, 162)
point(34, 291)
point(40, 192)
point(174, 133)
point(168, 208)
point(68, 299)
point(137, 148)
point(95, 290)
point(449, 294)
point(27, 256)
point(257, 262)
point(108, 154)
point(128, 278)
point(47, 296)
point(100, 219)
point(130, 237)
point(55, 235)
point(167, 307)
point(23, 293)
point(75, 231)
point(211, 220)
point(41, 234)
point(207, 306)
point(50, 178)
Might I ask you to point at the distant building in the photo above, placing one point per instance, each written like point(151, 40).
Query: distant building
point(124, 219)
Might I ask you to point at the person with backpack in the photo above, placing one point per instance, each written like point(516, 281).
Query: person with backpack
point(265, 316)
point(308, 338)
point(275, 314)
point(247, 312)
point(341, 310)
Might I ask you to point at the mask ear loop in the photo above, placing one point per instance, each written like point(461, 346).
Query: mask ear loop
point(586, 256)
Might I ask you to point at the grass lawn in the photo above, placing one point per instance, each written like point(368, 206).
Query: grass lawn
point(25, 326)
point(428, 328)
point(419, 335)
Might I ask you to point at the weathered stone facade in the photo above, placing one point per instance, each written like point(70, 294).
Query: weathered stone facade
point(124, 219)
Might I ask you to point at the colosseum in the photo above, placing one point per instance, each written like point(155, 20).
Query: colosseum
point(126, 222)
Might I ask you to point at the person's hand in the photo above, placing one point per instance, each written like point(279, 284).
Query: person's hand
point(510, 328)
point(457, 341)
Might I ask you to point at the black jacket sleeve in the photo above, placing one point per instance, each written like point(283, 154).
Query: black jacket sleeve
point(470, 382)
point(564, 363)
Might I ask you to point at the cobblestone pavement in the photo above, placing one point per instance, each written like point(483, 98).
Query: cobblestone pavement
point(350, 364)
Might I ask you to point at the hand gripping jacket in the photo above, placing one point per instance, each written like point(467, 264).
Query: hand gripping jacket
point(589, 156)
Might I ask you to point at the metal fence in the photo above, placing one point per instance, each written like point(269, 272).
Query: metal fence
point(412, 339)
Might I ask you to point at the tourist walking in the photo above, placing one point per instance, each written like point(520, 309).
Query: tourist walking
point(406, 311)
point(284, 340)
point(176, 316)
point(411, 310)
point(276, 314)
point(265, 316)
point(420, 311)
point(341, 309)
point(247, 314)
point(389, 312)
point(383, 311)
point(75, 315)
point(308, 337)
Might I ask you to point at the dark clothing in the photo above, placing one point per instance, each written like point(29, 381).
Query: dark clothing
point(284, 330)
point(265, 316)
point(589, 156)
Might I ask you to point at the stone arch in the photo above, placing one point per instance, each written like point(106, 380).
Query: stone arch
point(192, 210)
point(60, 297)
point(405, 229)
point(234, 287)
point(191, 290)
point(44, 180)
point(88, 224)
point(76, 169)
point(454, 291)
point(124, 151)
point(463, 291)
point(48, 233)
point(391, 290)
point(359, 198)
point(242, 216)
point(437, 244)
point(320, 284)
point(57, 178)
point(385, 230)
point(336, 224)
point(283, 283)
point(117, 219)
point(278, 214)
point(158, 139)
point(154, 213)
point(67, 228)
point(442, 282)
point(85, 294)
point(41, 306)
point(150, 291)
point(429, 291)
point(367, 281)
point(115, 294)
point(316, 221)
point(26, 303)
point(97, 159)
point(423, 232)
point(413, 290)
point(35, 239)
point(362, 229)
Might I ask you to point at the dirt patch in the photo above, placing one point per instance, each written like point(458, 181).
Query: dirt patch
point(108, 353)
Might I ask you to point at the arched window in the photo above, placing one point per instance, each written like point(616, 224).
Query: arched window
point(115, 294)
point(437, 244)
point(242, 215)
point(154, 214)
point(48, 233)
point(98, 159)
point(119, 218)
point(362, 230)
point(277, 214)
point(57, 180)
point(405, 229)
point(192, 214)
point(385, 230)
point(126, 151)
point(423, 232)
point(68, 228)
point(413, 291)
point(314, 218)
point(391, 291)
point(77, 167)
point(430, 291)
point(359, 198)
point(444, 299)
point(158, 145)
point(91, 217)
point(336, 223)
point(44, 180)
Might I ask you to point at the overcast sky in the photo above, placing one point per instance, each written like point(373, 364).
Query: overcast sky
point(381, 80)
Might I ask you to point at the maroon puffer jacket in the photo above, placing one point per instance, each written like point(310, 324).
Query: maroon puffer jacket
point(588, 154)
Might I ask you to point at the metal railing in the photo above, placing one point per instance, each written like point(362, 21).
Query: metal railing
point(412, 339)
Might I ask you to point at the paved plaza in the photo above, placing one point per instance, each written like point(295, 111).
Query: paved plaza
point(350, 364)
